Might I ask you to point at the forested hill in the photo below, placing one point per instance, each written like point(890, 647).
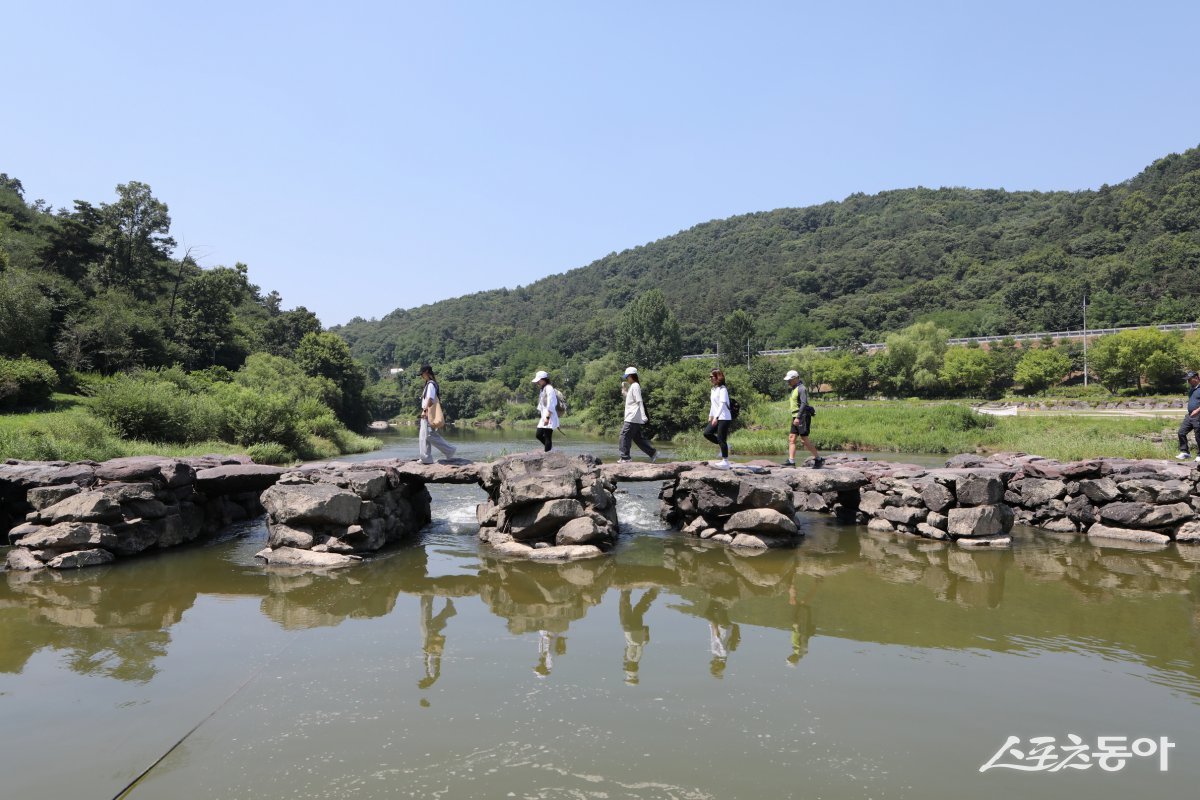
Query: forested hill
point(976, 261)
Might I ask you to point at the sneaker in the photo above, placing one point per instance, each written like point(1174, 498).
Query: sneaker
point(789, 463)
point(1198, 459)
point(654, 457)
point(453, 450)
point(723, 464)
point(818, 462)
point(624, 460)
point(1183, 455)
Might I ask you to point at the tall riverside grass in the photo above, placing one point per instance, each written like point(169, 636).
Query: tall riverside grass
point(912, 427)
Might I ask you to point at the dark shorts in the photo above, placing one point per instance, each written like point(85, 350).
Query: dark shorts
point(801, 426)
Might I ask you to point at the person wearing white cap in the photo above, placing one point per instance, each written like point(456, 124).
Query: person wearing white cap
point(547, 409)
point(635, 418)
point(802, 414)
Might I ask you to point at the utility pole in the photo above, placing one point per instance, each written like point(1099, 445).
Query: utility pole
point(747, 352)
point(1085, 379)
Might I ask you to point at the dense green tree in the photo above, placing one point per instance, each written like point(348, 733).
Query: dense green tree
point(1132, 358)
point(135, 234)
point(326, 355)
point(206, 327)
point(737, 334)
point(25, 314)
point(966, 370)
point(648, 335)
point(913, 362)
point(1041, 368)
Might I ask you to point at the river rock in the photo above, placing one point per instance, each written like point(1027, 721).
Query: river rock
point(1151, 491)
point(766, 520)
point(21, 559)
point(539, 519)
point(168, 473)
point(760, 541)
point(1188, 532)
point(1145, 515)
point(975, 521)
point(880, 525)
point(1060, 525)
point(978, 489)
point(565, 552)
point(76, 559)
point(1038, 491)
point(314, 503)
point(41, 497)
point(820, 481)
point(92, 506)
point(309, 559)
point(448, 471)
point(871, 502)
point(281, 535)
point(939, 521)
point(536, 477)
point(985, 541)
point(1099, 531)
point(765, 493)
point(642, 471)
point(930, 532)
point(902, 515)
point(581, 530)
point(235, 478)
point(70, 536)
point(936, 496)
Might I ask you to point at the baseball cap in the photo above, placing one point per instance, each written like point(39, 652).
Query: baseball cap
point(542, 375)
point(630, 371)
point(1191, 375)
point(791, 374)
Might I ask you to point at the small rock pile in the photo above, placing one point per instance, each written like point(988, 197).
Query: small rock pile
point(324, 515)
point(742, 508)
point(86, 514)
point(1149, 501)
point(547, 506)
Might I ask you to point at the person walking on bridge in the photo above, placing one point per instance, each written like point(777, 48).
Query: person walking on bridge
point(429, 436)
point(547, 407)
point(720, 417)
point(802, 414)
point(635, 418)
point(1191, 421)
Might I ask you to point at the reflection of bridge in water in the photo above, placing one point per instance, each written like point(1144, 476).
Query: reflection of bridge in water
point(881, 589)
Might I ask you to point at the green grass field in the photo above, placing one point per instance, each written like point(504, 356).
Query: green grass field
point(916, 427)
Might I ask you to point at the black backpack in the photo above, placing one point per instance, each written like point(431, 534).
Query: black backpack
point(735, 408)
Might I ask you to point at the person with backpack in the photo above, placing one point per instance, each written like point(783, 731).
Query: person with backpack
point(547, 406)
point(802, 414)
point(431, 407)
point(720, 417)
point(635, 418)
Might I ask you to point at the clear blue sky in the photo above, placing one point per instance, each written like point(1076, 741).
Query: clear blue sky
point(362, 157)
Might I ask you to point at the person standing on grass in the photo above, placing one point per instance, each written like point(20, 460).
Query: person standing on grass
point(428, 435)
point(1191, 421)
point(635, 418)
point(801, 420)
point(719, 416)
point(547, 409)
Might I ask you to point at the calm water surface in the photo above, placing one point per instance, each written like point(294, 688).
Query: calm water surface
point(855, 666)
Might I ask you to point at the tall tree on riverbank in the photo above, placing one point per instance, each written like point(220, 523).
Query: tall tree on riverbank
point(648, 335)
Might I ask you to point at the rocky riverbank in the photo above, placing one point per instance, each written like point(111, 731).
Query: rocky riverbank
point(555, 507)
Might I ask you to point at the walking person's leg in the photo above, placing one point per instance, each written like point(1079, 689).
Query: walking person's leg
point(423, 450)
point(436, 439)
point(546, 437)
point(1184, 428)
point(723, 437)
point(639, 438)
point(623, 441)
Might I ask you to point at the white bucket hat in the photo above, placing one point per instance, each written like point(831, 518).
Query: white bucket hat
point(542, 375)
point(630, 371)
point(791, 374)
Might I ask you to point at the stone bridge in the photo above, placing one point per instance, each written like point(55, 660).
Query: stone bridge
point(554, 507)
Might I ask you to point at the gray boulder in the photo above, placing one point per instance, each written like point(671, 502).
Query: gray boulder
point(168, 473)
point(760, 541)
point(937, 496)
point(764, 520)
point(902, 515)
point(1100, 491)
point(582, 530)
point(307, 559)
point(90, 506)
point(978, 488)
point(70, 536)
point(975, 521)
point(20, 559)
point(76, 559)
point(313, 503)
point(1145, 515)
point(539, 519)
point(1099, 531)
point(45, 496)
point(564, 552)
point(235, 478)
point(1038, 491)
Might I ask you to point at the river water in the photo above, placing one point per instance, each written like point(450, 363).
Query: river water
point(855, 666)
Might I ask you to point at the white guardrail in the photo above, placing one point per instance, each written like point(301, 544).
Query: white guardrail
point(1018, 337)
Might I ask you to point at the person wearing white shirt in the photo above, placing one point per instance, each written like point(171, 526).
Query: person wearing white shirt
point(547, 409)
point(635, 418)
point(719, 416)
point(428, 437)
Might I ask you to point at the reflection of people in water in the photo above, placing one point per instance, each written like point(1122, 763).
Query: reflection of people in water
point(433, 642)
point(723, 637)
point(637, 633)
point(550, 644)
point(803, 626)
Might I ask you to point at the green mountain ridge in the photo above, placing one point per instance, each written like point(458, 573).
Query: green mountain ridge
point(976, 261)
